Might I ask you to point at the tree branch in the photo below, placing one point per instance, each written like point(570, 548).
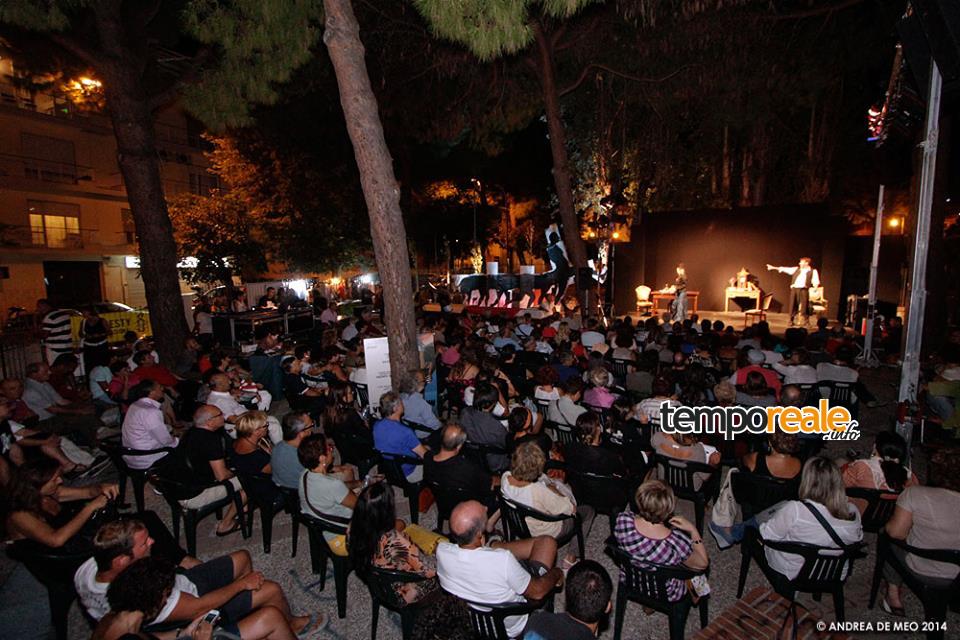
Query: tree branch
point(814, 12)
point(77, 48)
point(619, 74)
point(168, 95)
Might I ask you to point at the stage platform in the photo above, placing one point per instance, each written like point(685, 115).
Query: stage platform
point(779, 322)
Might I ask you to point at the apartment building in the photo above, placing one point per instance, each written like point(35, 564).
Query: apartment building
point(66, 232)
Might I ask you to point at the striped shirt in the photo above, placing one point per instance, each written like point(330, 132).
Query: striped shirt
point(58, 338)
point(672, 550)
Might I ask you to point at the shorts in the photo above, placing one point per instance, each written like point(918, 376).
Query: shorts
point(216, 574)
point(210, 495)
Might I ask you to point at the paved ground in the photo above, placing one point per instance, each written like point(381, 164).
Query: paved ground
point(22, 600)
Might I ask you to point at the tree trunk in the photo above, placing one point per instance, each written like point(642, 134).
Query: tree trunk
point(558, 149)
point(132, 120)
point(380, 189)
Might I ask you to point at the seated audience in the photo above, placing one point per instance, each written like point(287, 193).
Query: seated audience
point(755, 392)
point(392, 437)
point(546, 379)
point(252, 449)
point(144, 427)
point(587, 598)
point(656, 535)
point(588, 454)
point(415, 408)
point(925, 518)
point(755, 361)
point(599, 395)
point(781, 462)
point(884, 469)
point(482, 427)
point(200, 459)
point(56, 414)
point(821, 490)
point(648, 410)
point(224, 398)
point(565, 409)
point(377, 539)
point(284, 463)
point(471, 569)
point(527, 484)
point(342, 422)
point(16, 440)
point(322, 493)
point(523, 428)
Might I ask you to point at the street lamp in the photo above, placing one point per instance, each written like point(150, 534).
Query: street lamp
point(475, 205)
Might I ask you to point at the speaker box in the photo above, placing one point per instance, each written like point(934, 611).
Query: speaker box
point(584, 279)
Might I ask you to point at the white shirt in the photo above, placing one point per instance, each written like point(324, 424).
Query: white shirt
point(93, 593)
point(97, 375)
point(796, 373)
point(793, 522)
point(802, 278)
point(651, 408)
point(349, 332)
point(484, 575)
point(329, 316)
point(225, 401)
point(144, 428)
point(590, 338)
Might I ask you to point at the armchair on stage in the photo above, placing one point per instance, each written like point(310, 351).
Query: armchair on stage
point(818, 304)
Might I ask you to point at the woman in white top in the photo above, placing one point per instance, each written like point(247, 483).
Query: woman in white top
point(527, 484)
point(547, 379)
point(822, 489)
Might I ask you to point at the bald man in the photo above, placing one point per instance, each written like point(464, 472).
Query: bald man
point(475, 571)
point(222, 396)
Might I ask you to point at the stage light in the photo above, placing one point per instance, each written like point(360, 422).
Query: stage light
point(616, 235)
point(894, 223)
point(592, 234)
point(335, 281)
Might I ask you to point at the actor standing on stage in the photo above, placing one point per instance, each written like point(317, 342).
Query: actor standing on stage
point(803, 277)
point(680, 288)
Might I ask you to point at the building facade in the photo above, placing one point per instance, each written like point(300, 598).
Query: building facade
point(66, 232)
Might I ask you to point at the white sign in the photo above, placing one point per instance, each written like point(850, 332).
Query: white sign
point(377, 358)
point(133, 262)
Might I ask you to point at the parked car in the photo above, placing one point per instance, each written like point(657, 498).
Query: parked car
point(121, 318)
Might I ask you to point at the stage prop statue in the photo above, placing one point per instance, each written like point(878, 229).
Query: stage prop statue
point(523, 290)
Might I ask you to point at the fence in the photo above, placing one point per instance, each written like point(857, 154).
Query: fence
point(17, 350)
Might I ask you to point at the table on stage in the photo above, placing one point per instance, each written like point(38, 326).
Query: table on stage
point(736, 292)
point(759, 615)
point(669, 296)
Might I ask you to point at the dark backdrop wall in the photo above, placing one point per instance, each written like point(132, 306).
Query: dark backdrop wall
point(715, 244)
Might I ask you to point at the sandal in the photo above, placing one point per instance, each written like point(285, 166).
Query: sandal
point(893, 611)
point(231, 530)
point(317, 622)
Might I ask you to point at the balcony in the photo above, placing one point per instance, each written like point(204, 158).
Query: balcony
point(44, 170)
point(25, 237)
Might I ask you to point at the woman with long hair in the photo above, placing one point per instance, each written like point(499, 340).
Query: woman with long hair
point(39, 509)
point(884, 469)
point(822, 496)
point(523, 428)
point(377, 539)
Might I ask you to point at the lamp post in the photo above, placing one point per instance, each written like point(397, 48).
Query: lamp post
point(475, 205)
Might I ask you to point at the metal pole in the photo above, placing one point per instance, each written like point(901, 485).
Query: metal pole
point(910, 371)
point(868, 358)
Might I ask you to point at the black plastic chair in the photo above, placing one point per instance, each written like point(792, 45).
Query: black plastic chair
point(648, 587)
point(447, 498)
point(607, 494)
point(481, 454)
point(514, 516)
point(680, 475)
point(822, 571)
point(561, 433)
point(487, 619)
point(380, 583)
point(936, 598)
point(392, 469)
point(320, 552)
point(270, 500)
point(754, 492)
point(841, 394)
point(173, 491)
point(53, 569)
point(115, 450)
point(880, 506)
point(620, 368)
point(362, 395)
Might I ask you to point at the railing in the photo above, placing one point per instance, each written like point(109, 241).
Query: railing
point(25, 237)
point(45, 170)
point(18, 348)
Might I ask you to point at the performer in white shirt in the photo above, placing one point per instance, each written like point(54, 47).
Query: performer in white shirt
point(803, 277)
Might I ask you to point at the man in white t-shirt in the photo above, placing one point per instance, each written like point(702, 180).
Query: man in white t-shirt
point(221, 396)
point(227, 583)
point(493, 574)
point(592, 337)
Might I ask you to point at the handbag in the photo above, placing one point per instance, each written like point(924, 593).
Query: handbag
point(726, 511)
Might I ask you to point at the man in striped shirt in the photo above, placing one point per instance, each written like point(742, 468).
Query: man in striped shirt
point(54, 329)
